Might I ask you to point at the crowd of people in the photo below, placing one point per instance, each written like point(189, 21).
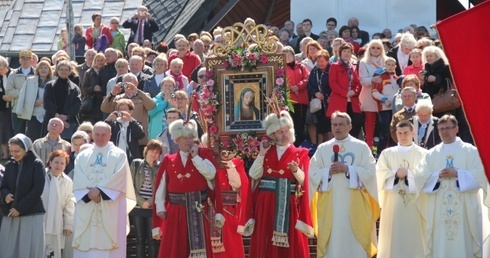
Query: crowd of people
point(113, 138)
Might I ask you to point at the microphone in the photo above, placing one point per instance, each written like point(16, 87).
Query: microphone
point(336, 150)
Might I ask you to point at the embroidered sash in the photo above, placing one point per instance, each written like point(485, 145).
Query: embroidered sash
point(195, 224)
point(283, 189)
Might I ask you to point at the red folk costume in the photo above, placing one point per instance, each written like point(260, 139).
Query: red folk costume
point(235, 190)
point(281, 209)
point(185, 230)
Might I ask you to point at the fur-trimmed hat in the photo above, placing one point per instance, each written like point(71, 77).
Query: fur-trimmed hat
point(179, 128)
point(274, 122)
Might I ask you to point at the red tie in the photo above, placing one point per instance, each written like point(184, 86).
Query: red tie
point(140, 31)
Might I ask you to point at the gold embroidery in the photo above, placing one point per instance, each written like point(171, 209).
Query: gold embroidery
point(451, 206)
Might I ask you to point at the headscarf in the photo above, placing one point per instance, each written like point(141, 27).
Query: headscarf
point(25, 141)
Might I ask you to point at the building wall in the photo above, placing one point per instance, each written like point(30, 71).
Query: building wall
point(373, 15)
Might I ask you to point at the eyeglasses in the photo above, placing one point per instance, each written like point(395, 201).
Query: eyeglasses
point(201, 76)
point(444, 129)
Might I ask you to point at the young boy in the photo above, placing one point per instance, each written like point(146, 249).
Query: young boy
point(384, 94)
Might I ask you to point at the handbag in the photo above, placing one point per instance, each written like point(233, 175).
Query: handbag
point(87, 104)
point(315, 105)
point(447, 100)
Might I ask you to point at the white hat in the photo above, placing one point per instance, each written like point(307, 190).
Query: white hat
point(274, 122)
point(179, 128)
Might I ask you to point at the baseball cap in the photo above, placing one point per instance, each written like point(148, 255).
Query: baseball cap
point(25, 54)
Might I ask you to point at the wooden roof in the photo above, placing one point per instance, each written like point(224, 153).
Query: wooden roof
point(261, 11)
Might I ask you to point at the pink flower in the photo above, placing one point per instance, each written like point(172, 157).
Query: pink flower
point(251, 56)
point(279, 81)
point(236, 60)
point(264, 138)
point(280, 72)
point(209, 74)
point(226, 144)
point(210, 82)
point(213, 129)
point(264, 59)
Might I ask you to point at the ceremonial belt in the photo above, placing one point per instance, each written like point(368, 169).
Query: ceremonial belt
point(180, 198)
point(229, 197)
point(195, 223)
point(269, 184)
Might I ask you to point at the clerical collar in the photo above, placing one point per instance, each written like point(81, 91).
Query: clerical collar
point(348, 138)
point(453, 145)
point(404, 149)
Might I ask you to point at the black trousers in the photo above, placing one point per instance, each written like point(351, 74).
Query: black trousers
point(146, 246)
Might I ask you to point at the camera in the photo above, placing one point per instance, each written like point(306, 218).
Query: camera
point(118, 114)
point(140, 13)
point(124, 85)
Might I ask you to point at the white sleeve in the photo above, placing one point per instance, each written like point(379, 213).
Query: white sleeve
point(390, 182)
point(354, 180)
point(431, 183)
point(300, 176)
point(466, 181)
point(325, 181)
point(79, 194)
point(160, 195)
point(205, 167)
point(412, 187)
point(257, 169)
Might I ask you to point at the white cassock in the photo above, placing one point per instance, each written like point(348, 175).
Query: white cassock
point(453, 218)
point(59, 203)
point(101, 228)
point(344, 210)
point(401, 223)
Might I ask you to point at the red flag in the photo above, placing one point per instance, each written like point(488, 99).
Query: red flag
point(466, 43)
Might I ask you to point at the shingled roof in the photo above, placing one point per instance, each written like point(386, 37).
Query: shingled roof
point(36, 24)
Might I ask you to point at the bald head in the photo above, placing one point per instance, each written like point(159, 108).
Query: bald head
point(101, 134)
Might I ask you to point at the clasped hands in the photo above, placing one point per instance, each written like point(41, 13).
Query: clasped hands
point(448, 173)
point(12, 212)
point(338, 167)
point(94, 194)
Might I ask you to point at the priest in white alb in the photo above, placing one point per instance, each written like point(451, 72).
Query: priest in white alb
point(343, 194)
point(401, 223)
point(453, 175)
point(105, 195)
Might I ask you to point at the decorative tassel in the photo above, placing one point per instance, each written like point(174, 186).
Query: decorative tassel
point(280, 239)
point(217, 245)
point(201, 253)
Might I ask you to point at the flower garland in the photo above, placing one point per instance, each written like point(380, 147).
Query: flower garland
point(241, 58)
point(243, 145)
point(208, 99)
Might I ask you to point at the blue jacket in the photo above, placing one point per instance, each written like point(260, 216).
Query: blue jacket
point(157, 123)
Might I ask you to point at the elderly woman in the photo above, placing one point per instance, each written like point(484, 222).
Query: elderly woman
point(425, 125)
point(93, 91)
point(96, 32)
point(297, 75)
point(373, 59)
point(5, 112)
point(22, 231)
point(346, 86)
point(144, 172)
point(59, 200)
point(153, 83)
point(311, 49)
point(158, 121)
point(31, 98)
point(118, 40)
point(62, 100)
point(401, 53)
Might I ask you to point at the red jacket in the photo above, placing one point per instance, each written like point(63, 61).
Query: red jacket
point(299, 77)
point(339, 83)
point(191, 61)
point(103, 30)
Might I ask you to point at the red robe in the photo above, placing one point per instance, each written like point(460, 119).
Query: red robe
point(264, 202)
point(175, 240)
point(235, 215)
